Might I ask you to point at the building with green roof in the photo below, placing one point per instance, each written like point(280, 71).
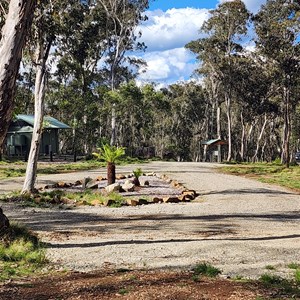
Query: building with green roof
point(19, 135)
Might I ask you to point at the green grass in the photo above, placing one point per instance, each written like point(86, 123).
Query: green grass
point(270, 267)
point(18, 168)
point(21, 253)
point(206, 270)
point(272, 173)
point(59, 197)
point(294, 265)
point(282, 285)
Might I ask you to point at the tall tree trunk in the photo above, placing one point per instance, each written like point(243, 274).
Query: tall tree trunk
point(255, 156)
point(39, 96)
point(286, 129)
point(14, 31)
point(243, 138)
point(229, 127)
point(219, 131)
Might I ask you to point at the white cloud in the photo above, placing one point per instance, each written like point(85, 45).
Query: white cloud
point(168, 66)
point(173, 28)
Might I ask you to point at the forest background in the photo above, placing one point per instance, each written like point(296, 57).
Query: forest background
point(248, 98)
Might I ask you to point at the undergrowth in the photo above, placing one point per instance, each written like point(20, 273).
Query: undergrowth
point(21, 253)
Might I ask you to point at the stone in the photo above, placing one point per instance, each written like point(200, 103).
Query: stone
point(132, 202)
point(143, 202)
point(128, 186)
point(157, 200)
point(144, 182)
point(191, 193)
point(85, 181)
point(78, 182)
point(170, 199)
point(120, 177)
point(150, 174)
point(181, 198)
point(100, 178)
point(115, 187)
point(174, 183)
point(61, 184)
point(92, 184)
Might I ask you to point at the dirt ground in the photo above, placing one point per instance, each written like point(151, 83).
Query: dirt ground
point(135, 285)
point(236, 224)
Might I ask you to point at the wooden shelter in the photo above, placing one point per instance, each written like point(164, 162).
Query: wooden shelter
point(19, 135)
point(213, 149)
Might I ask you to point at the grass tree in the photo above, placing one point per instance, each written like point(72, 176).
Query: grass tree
point(110, 154)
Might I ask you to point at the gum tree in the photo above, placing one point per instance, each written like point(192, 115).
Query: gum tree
point(278, 39)
point(17, 23)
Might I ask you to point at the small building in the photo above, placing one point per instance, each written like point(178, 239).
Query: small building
point(19, 135)
point(213, 149)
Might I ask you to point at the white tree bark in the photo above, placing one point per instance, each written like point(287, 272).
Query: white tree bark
point(18, 21)
point(39, 96)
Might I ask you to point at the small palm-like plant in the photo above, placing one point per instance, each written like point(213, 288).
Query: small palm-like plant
point(110, 154)
point(137, 174)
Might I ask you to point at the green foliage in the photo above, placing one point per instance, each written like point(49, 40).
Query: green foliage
point(137, 173)
point(270, 267)
point(297, 276)
point(206, 270)
point(23, 255)
point(285, 286)
point(109, 153)
point(294, 265)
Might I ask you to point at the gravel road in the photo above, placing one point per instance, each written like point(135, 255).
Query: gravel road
point(238, 225)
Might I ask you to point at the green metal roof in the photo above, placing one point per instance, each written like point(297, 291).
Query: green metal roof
point(49, 122)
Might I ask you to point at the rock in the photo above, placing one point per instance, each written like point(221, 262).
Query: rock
point(120, 177)
point(92, 184)
point(115, 187)
point(143, 202)
point(170, 200)
point(144, 182)
point(150, 174)
point(4, 222)
point(128, 186)
point(191, 193)
point(181, 198)
point(132, 202)
point(188, 197)
point(157, 200)
point(100, 178)
point(78, 182)
point(174, 183)
point(85, 181)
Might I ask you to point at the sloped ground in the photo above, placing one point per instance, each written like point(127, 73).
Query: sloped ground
point(238, 225)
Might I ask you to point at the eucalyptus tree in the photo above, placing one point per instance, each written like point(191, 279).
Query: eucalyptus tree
point(220, 50)
point(277, 25)
point(43, 35)
point(123, 17)
point(18, 21)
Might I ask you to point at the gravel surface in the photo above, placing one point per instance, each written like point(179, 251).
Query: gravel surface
point(238, 225)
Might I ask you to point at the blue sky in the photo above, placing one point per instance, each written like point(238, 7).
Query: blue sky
point(167, 4)
point(170, 26)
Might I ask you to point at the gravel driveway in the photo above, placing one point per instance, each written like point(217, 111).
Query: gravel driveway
point(238, 225)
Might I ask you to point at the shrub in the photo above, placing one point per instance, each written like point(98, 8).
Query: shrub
point(206, 270)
